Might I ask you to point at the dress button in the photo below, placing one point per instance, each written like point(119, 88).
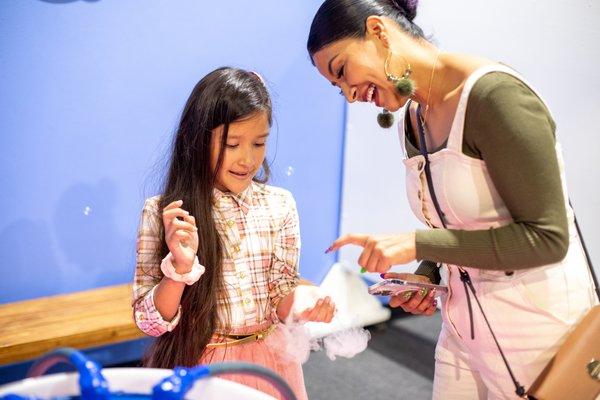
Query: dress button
point(247, 301)
point(236, 248)
point(241, 275)
point(231, 222)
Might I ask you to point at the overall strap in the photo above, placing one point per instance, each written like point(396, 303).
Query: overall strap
point(423, 150)
point(403, 114)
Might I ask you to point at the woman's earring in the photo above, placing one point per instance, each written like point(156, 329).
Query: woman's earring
point(404, 85)
point(385, 119)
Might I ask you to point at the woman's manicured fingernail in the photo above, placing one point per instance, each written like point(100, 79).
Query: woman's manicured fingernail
point(432, 293)
point(363, 270)
point(407, 295)
point(423, 292)
point(382, 275)
point(328, 250)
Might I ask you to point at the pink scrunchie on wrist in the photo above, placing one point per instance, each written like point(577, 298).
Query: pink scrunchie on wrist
point(189, 278)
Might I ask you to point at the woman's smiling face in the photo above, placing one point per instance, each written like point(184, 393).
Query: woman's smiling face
point(355, 65)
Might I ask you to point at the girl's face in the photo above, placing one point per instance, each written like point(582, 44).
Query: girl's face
point(244, 153)
point(356, 67)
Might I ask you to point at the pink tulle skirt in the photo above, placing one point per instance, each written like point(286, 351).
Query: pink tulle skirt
point(270, 353)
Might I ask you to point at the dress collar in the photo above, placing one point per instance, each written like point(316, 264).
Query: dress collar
point(243, 200)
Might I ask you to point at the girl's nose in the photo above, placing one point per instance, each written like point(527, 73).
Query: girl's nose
point(247, 158)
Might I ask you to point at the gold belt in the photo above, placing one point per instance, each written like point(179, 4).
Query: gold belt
point(242, 339)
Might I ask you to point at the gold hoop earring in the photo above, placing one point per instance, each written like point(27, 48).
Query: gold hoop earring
point(404, 85)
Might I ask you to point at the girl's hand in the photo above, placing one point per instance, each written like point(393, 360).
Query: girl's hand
point(421, 302)
point(322, 311)
point(380, 252)
point(307, 303)
point(181, 235)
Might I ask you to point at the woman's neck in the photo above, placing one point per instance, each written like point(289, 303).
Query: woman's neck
point(438, 75)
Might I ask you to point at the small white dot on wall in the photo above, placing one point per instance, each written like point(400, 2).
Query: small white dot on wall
point(289, 171)
point(87, 210)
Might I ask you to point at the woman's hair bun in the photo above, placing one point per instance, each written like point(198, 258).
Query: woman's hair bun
point(408, 7)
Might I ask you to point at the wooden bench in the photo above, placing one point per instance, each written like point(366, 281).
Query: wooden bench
point(80, 320)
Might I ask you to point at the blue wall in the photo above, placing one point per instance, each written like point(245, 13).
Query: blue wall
point(90, 93)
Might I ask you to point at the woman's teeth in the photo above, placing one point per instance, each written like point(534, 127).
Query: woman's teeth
point(370, 92)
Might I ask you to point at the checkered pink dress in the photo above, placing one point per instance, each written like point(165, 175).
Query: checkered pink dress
point(261, 236)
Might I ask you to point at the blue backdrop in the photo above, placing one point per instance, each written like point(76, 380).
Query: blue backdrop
point(90, 94)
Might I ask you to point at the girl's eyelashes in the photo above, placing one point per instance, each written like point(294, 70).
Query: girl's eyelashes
point(235, 146)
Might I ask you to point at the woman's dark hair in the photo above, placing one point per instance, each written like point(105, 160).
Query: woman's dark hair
point(222, 97)
point(341, 19)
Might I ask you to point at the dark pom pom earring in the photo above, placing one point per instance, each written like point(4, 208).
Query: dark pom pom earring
point(404, 86)
point(385, 119)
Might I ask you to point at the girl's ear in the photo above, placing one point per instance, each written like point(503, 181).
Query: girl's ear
point(376, 29)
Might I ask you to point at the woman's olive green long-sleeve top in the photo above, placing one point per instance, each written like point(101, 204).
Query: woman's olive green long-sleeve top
point(508, 127)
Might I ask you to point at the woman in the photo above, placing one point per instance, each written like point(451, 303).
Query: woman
point(506, 226)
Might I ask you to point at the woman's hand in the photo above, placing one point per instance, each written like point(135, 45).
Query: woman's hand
point(421, 302)
point(382, 251)
point(181, 235)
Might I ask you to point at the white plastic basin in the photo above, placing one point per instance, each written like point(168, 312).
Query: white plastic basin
point(131, 380)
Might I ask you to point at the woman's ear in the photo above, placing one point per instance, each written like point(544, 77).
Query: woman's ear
point(375, 27)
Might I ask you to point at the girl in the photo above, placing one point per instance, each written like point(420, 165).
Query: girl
point(217, 252)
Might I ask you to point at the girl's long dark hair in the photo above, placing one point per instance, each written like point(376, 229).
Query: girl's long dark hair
point(223, 96)
point(340, 19)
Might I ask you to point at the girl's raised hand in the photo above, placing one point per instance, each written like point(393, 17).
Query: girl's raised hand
point(181, 235)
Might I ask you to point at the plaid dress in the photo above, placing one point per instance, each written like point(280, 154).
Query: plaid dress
point(260, 232)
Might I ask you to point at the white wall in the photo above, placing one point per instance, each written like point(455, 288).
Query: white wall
point(553, 43)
